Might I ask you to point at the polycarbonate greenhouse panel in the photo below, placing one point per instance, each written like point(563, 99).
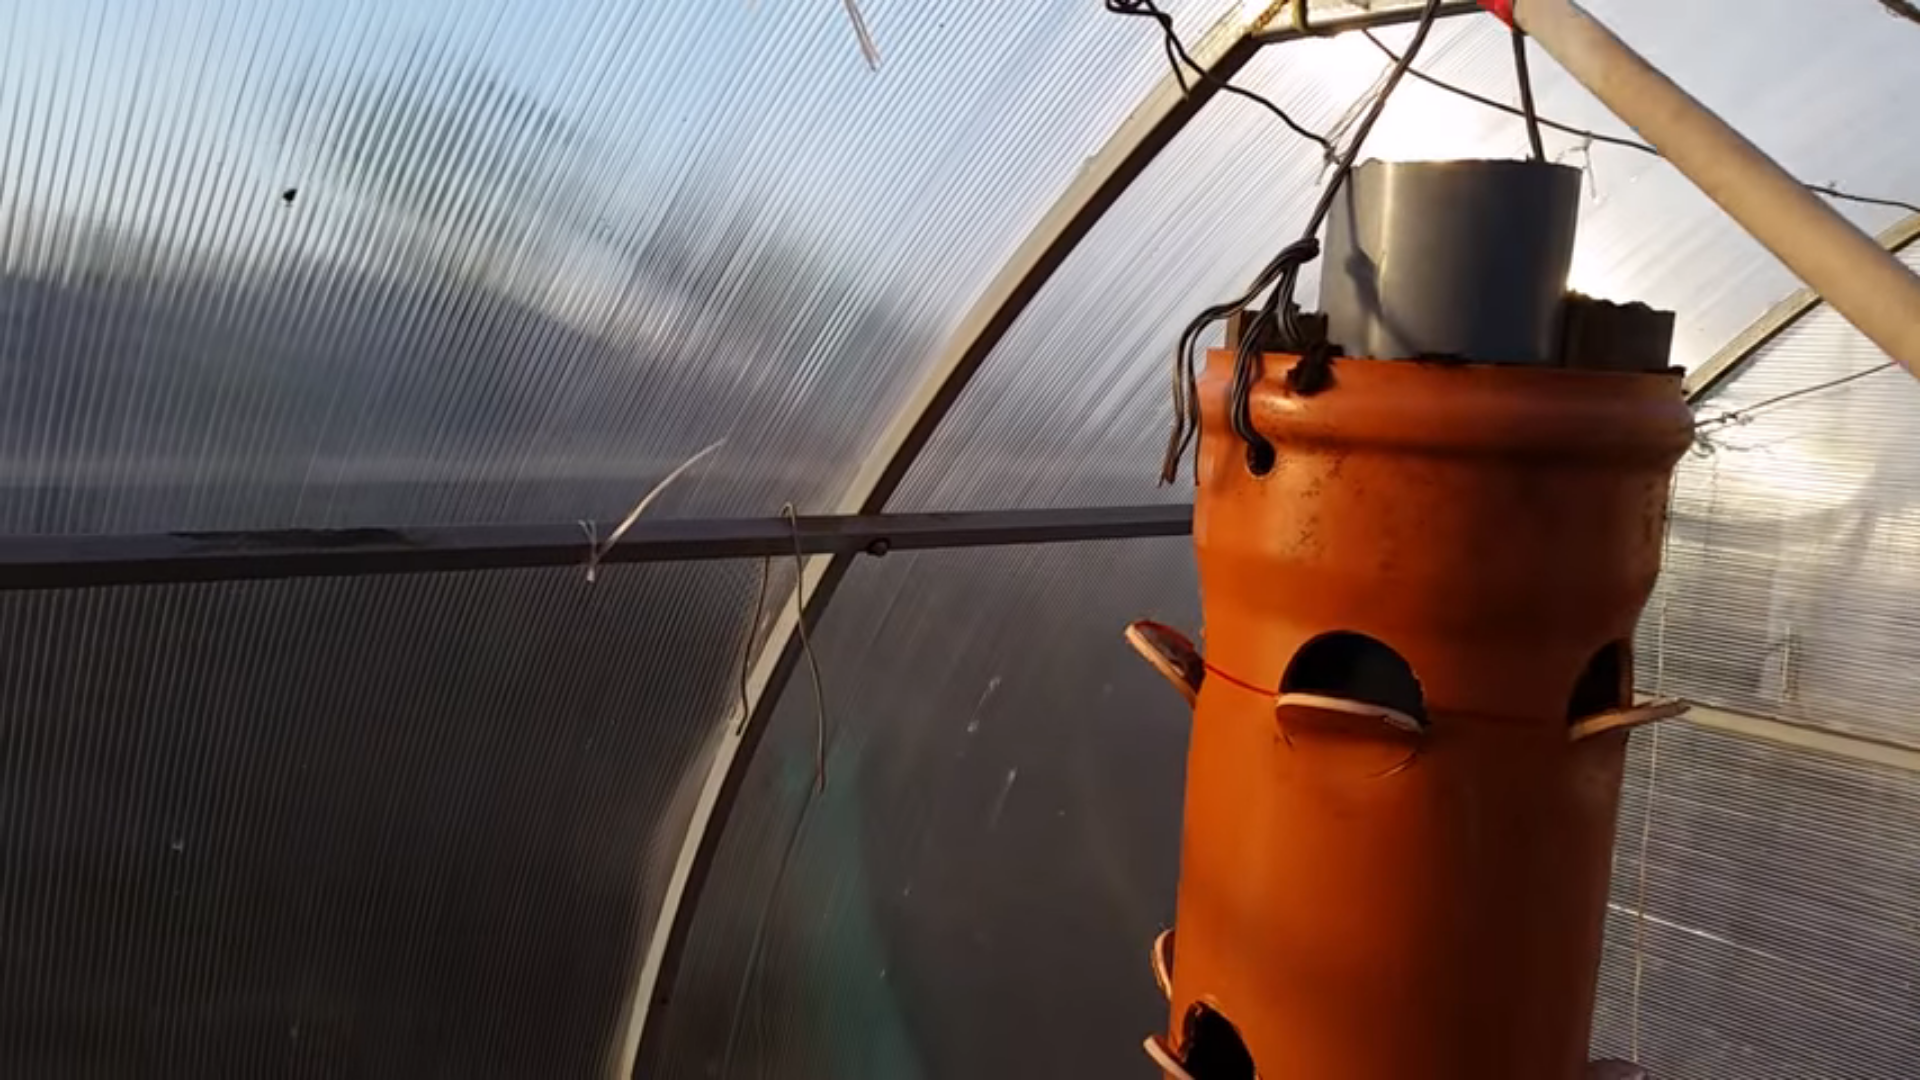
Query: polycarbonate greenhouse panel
point(269, 263)
point(974, 892)
point(1781, 890)
point(1080, 384)
point(1793, 560)
point(392, 827)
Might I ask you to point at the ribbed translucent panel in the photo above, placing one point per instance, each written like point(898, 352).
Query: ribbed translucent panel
point(382, 827)
point(1781, 891)
point(974, 893)
point(1793, 566)
point(271, 262)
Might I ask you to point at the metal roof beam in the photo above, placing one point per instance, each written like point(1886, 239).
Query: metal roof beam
point(68, 562)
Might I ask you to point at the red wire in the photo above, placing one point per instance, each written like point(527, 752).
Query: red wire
point(1288, 735)
point(1241, 683)
point(1161, 629)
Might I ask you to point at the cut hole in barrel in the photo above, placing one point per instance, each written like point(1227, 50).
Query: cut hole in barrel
point(1212, 1047)
point(1261, 457)
point(1607, 682)
point(1344, 664)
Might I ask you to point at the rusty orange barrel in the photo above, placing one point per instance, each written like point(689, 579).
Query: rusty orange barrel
point(1396, 851)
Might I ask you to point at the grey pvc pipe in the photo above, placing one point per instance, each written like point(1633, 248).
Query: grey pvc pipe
point(1463, 259)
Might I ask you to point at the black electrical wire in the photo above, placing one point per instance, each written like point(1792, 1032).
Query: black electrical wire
point(1902, 9)
point(1276, 319)
point(1279, 310)
point(1186, 402)
point(1613, 140)
point(1526, 94)
point(1867, 200)
point(1345, 165)
point(1181, 61)
point(1501, 106)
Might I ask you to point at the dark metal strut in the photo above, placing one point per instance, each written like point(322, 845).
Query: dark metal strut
point(66, 562)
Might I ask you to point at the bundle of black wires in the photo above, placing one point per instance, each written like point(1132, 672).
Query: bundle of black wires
point(1183, 62)
point(1278, 321)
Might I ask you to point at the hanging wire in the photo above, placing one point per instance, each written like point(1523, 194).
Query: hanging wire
point(1277, 317)
point(1279, 310)
point(1646, 810)
point(597, 549)
point(1186, 402)
point(1868, 200)
point(746, 651)
point(1746, 413)
point(1526, 94)
point(1827, 190)
point(1181, 61)
point(806, 647)
point(1345, 165)
point(1640, 893)
point(1281, 275)
point(813, 663)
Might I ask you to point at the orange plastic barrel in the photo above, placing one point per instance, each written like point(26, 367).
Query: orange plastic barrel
point(1364, 902)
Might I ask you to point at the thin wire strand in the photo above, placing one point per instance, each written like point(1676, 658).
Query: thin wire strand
point(1868, 200)
point(1828, 190)
point(1179, 59)
point(813, 663)
point(1413, 755)
point(1748, 412)
point(1526, 94)
point(746, 653)
point(1640, 891)
point(599, 551)
point(1646, 817)
point(1345, 166)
